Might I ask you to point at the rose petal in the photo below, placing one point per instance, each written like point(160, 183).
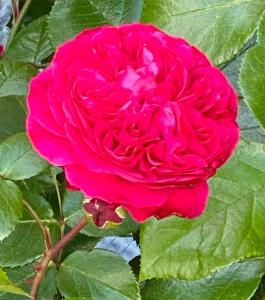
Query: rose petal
point(114, 189)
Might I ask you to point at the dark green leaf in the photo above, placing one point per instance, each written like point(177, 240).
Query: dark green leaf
point(22, 277)
point(218, 27)
point(81, 14)
point(26, 243)
point(14, 78)
point(73, 211)
point(97, 275)
point(18, 160)
point(7, 286)
point(235, 282)
point(13, 114)
point(31, 44)
point(230, 229)
point(80, 242)
point(10, 207)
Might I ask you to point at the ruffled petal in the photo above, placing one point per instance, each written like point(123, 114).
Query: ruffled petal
point(114, 189)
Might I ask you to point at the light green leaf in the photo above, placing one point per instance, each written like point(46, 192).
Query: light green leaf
point(31, 44)
point(235, 282)
point(14, 78)
point(18, 160)
point(252, 81)
point(218, 27)
point(7, 286)
point(232, 227)
point(73, 212)
point(13, 115)
point(81, 14)
point(10, 207)
point(97, 275)
point(261, 32)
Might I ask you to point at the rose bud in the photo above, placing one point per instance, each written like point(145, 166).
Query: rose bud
point(103, 214)
point(136, 118)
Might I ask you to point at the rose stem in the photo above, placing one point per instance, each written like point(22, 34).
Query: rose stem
point(44, 229)
point(61, 214)
point(18, 22)
point(50, 254)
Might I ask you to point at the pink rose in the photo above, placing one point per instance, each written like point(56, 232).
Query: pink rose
point(136, 118)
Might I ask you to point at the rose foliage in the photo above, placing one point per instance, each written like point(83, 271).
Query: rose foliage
point(143, 119)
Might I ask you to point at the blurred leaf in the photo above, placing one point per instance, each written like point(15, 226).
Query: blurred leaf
point(73, 212)
point(260, 292)
point(22, 277)
point(7, 286)
point(37, 9)
point(232, 227)
point(14, 78)
point(31, 44)
point(235, 282)
point(10, 207)
point(18, 160)
point(13, 114)
point(81, 14)
point(218, 27)
point(97, 275)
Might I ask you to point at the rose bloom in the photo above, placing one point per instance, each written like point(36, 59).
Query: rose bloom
point(136, 118)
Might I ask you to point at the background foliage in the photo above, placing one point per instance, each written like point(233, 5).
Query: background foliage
point(221, 254)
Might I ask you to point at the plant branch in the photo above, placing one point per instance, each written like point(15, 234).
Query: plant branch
point(18, 22)
point(44, 229)
point(54, 179)
point(51, 253)
point(60, 203)
point(15, 10)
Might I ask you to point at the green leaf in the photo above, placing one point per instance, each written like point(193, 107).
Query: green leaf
point(97, 275)
point(261, 32)
point(10, 207)
point(7, 286)
point(252, 81)
point(218, 27)
point(232, 227)
point(250, 129)
point(13, 115)
point(18, 160)
point(22, 276)
point(26, 243)
point(237, 281)
point(31, 44)
point(73, 212)
point(81, 14)
point(14, 78)
point(80, 242)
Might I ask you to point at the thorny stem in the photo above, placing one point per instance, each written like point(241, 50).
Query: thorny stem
point(19, 20)
point(51, 253)
point(44, 229)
